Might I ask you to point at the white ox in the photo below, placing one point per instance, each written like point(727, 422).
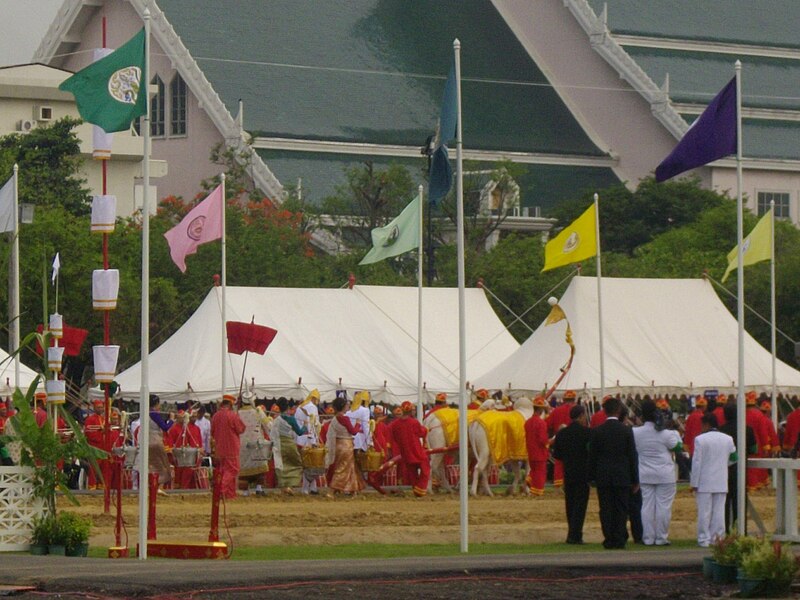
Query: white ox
point(479, 441)
point(436, 441)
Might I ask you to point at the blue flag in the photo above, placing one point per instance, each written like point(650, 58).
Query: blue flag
point(712, 136)
point(440, 178)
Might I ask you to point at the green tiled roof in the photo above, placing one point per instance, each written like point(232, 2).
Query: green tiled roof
point(376, 73)
point(540, 185)
point(755, 22)
point(697, 76)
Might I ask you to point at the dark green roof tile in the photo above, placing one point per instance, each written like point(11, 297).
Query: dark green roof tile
point(381, 45)
point(755, 22)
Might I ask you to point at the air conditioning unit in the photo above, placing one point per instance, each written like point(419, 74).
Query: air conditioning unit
point(42, 113)
point(25, 125)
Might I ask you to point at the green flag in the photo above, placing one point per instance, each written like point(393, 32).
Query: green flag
point(107, 91)
point(399, 236)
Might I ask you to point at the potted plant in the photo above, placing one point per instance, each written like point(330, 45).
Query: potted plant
point(76, 531)
point(42, 532)
point(724, 553)
point(768, 570)
point(58, 539)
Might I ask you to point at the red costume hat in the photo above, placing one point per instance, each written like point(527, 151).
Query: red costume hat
point(570, 394)
point(441, 398)
point(407, 407)
point(482, 394)
point(539, 402)
point(701, 401)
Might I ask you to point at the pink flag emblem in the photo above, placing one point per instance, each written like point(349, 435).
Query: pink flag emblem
point(202, 224)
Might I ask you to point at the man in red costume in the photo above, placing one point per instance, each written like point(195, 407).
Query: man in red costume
point(774, 442)
point(408, 434)
point(184, 434)
point(380, 437)
point(694, 424)
point(757, 478)
point(556, 421)
point(4, 416)
point(226, 427)
point(538, 444)
point(599, 417)
point(39, 412)
point(441, 402)
point(719, 411)
point(94, 430)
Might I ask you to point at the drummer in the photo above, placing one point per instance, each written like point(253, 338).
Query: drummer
point(184, 434)
point(307, 416)
point(93, 429)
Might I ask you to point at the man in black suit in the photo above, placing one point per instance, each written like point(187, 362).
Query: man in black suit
point(571, 446)
point(732, 499)
point(614, 468)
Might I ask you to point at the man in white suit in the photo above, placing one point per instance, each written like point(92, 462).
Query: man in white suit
point(713, 451)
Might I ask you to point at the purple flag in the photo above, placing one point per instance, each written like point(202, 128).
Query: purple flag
point(712, 136)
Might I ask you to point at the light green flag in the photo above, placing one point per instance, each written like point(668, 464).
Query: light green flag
point(399, 236)
point(755, 247)
point(107, 91)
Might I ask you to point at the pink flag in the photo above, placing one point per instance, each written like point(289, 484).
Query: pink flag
point(202, 224)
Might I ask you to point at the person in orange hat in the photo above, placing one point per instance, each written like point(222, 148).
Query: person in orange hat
point(184, 434)
point(4, 416)
point(537, 442)
point(226, 428)
point(557, 420)
point(39, 412)
point(766, 410)
point(694, 424)
point(599, 417)
point(93, 429)
point(408, 435)
point(441, 402)
point(757, 478)
point(380, 436)
point(719, 411)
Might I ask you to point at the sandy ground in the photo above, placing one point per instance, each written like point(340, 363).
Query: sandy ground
point(371, 518)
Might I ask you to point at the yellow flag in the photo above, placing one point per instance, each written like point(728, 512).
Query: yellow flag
point(575, 243)
point(755, 247)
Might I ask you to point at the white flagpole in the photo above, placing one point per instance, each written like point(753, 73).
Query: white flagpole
point(772, 326)
point(14, 300)
point(419, 313)
point(741, 443)
point(463, 458)
point(224, 336)
point(599, 298)
point(144, 395)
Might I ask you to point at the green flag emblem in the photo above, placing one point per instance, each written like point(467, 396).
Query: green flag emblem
point(111, 92)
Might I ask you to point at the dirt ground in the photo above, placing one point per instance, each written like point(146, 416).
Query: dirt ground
point(371, 518)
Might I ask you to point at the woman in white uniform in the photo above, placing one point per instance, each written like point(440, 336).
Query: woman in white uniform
point(657, 475)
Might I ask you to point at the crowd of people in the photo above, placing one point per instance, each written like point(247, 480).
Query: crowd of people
point(631, 449)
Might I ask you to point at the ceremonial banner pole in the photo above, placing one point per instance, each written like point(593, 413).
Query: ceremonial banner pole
point(224, 282)
point(144, 394)
point(741, 439)
point(599, 299)
point(463, 457)
point(419, 313)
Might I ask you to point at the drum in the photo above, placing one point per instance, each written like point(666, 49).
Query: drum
point(131, 454)
point(314, 457)
point(369, 461)
point(185, 457)
point(260, 450)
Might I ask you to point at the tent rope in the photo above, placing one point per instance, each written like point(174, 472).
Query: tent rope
point(747, 306)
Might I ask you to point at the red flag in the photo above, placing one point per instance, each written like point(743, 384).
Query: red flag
point(202, 224)
point(248, 337)
point(71, 341)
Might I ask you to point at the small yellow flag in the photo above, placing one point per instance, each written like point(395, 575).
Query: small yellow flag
point(575, 243)
point(755, 247)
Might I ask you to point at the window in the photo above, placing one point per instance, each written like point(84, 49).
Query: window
point(177, 106)
point(781, 203)
point(157, 109)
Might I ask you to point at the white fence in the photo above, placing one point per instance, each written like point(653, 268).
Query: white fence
point(18, 508)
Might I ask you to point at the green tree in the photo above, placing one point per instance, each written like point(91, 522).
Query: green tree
point(49, 161)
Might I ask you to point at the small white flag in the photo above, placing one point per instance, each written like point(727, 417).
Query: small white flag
point(7, 206)
point(56, 267)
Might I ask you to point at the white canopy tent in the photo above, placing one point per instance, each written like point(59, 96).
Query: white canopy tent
point(354, 339)
point(660, 336)
point(7, 375)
